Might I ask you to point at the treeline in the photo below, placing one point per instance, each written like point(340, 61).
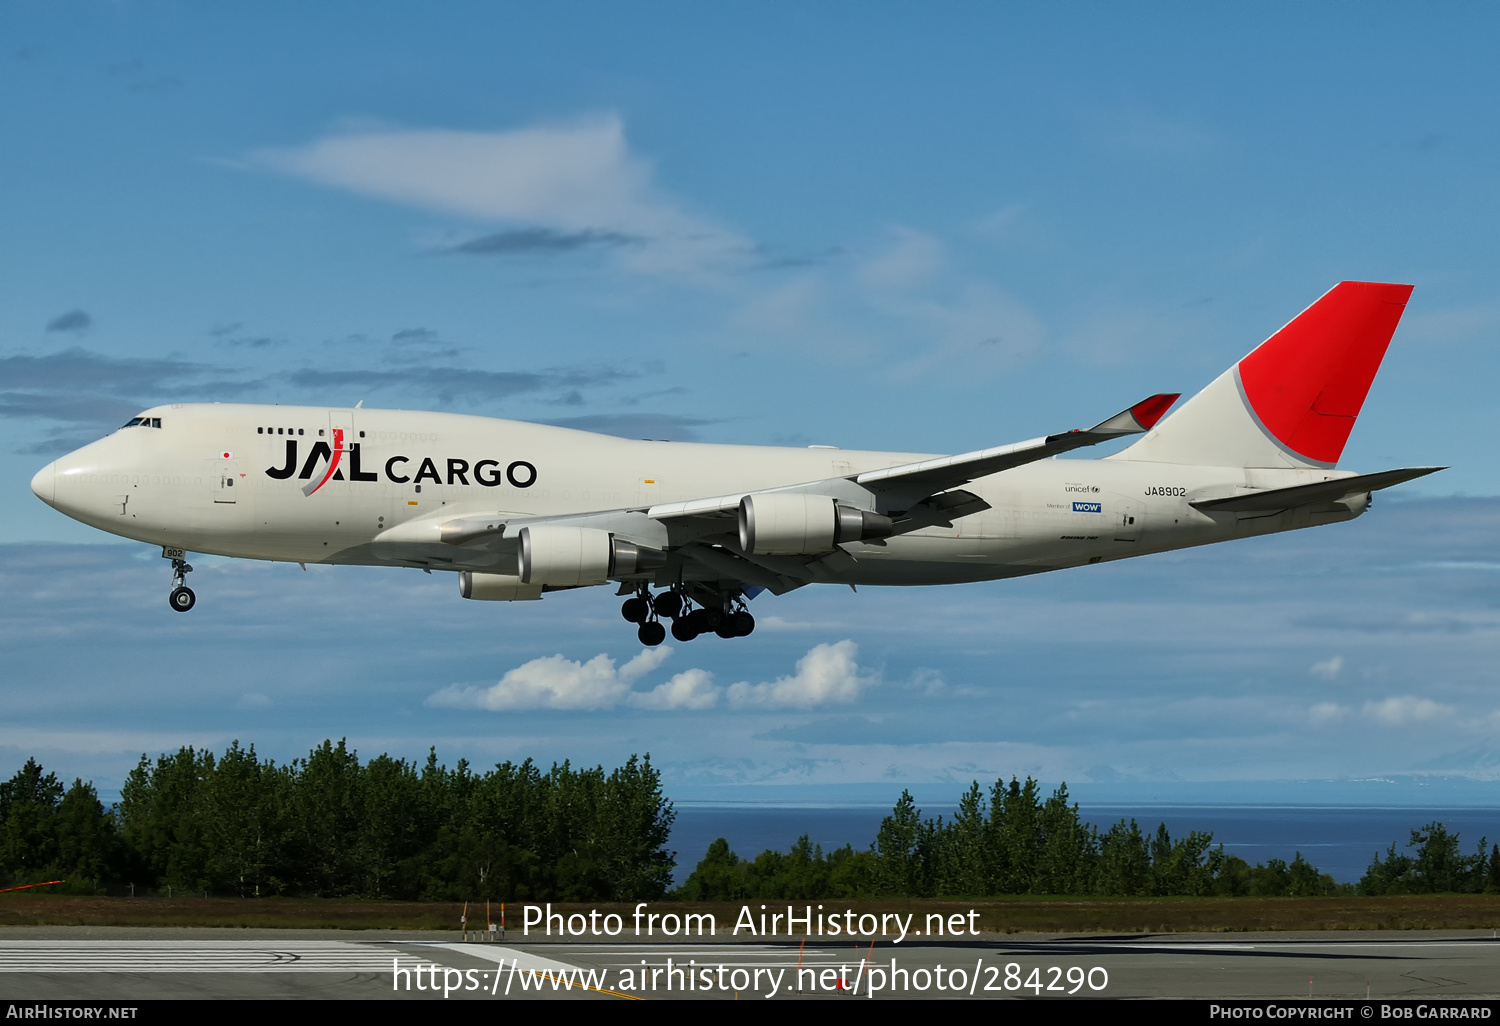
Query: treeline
point(1007, 841)
point(1435, 867)
point(331, 826)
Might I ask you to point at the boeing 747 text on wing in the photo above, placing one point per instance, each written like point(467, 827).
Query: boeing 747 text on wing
point(691, 532)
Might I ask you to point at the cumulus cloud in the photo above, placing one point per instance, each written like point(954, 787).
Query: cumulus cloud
point(691, 689)
point(827, 675)
point(556, 682)
point(565, 186)
point(1401, 710)
point(1328, 669)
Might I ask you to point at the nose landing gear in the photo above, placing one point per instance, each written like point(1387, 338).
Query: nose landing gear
point(182, 598)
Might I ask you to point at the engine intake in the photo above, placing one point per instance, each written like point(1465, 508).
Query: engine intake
point(783, 524)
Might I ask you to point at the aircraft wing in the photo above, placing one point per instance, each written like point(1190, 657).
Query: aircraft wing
point(915, 495)
point(920, 480)
point(1273, 499)
point(900, 488)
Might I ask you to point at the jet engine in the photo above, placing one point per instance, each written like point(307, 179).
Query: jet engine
point(496, 587)
point(784, 524)
point(559, 555)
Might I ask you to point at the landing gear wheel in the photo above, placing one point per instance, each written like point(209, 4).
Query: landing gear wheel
point(684, 629)
point(182, 598)
point(668, 604)
point(635, 610)
point(726, 629)
point(652, 634)
point(706, 619)
point(743, 624)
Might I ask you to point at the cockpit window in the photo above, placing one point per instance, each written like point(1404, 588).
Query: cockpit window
point(153, 422)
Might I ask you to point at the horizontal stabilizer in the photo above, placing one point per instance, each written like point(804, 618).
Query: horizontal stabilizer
point(1318, 492)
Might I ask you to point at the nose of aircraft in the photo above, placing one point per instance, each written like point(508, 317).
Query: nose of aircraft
point(44, 484)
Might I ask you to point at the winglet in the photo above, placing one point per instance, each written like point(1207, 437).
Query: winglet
point(1148, 411)
point(1140, 417)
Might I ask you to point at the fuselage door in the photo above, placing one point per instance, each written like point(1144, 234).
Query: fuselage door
point(340, 430)
point(225, 480)
point(1127, 516)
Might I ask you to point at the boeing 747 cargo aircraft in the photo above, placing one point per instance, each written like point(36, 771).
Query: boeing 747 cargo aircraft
point(690, 532)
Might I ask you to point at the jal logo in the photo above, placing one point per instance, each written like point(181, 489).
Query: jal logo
point(1088, 507)
point(398, 469)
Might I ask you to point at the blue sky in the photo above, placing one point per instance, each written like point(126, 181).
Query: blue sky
point(879, 227)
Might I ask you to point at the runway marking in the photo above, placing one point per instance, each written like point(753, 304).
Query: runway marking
point(524, 960)
point(206, 956)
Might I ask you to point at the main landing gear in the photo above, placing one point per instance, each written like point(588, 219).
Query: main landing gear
point(182, 598)
point(728, 618)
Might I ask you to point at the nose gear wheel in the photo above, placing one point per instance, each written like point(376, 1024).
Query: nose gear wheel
point(181, 598)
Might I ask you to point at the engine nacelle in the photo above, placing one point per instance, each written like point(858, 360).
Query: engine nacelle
point(562, 556)
point(496, 587)
point(786, 524)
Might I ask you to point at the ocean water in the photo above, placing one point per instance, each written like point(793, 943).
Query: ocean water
point(1340, 840)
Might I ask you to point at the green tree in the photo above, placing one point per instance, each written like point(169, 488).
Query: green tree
point(28, 822)
point(161, 820)
point(1124, 866)
point(899, 849)
point(719, 876)
point(635, 825)
point(88, 842)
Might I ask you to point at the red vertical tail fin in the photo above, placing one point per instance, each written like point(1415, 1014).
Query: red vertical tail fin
point(1307, 383)
point(1293, 401)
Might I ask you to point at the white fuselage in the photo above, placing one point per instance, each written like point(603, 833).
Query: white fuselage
point(230, 480)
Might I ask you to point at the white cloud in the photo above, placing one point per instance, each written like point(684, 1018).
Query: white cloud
point(572, 178)
point(691, 689)
point(648, 660)
point(1328, 669)
point(826, 675)
point(1403, 709)
point(555, 682)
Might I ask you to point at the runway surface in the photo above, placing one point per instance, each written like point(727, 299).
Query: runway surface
point(125, 964)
